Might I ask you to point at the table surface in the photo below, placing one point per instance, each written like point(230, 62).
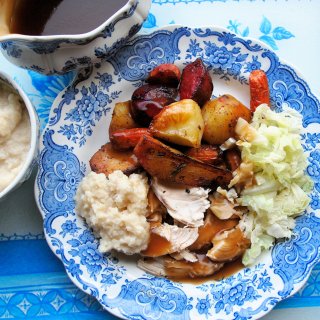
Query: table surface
point(33, 284)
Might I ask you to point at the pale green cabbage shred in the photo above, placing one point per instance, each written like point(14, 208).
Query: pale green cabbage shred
point(274, 149)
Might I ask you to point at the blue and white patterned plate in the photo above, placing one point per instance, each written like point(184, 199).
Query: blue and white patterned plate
point(78, 126)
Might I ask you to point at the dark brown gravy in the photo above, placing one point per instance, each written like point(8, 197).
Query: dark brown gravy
point(228, 270)
point(56, 17)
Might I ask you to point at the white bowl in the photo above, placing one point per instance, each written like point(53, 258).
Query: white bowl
point(32, 154)
point(58, 54)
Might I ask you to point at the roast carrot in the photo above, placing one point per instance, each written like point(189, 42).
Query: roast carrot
point(259, 89)
point(124, 139)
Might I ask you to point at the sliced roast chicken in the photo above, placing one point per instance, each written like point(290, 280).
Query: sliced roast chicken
point(186, 205)
point(228, 245)
point(204, 236)
point(167, 239)
point(172, 268)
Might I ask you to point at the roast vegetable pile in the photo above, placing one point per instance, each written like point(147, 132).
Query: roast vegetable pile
point(224, 180)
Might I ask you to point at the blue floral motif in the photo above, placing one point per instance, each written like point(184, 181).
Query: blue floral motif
point(69, 227)
point(36, 68)
point(154, 298)
point(74, 268)
point(234, 27)
point(87, 249)
point(280, 33)
point(291, 258)
point(269, 35)
point(219, 57)
point(11, 49)
point(310, 140)
point(252, 65)
point(134, 60)
point(68, 131)
point(289, 95)
point(314, 165)
point(315, 200)
point(106, 52)
point(113, 272)
point(59, 174)
point(288, 89)
point(48, 87)
point(264, 282)
point(41, 47)
point(61, 180)
point(223, 62)
point(145, 56)
point(194, 49)
point(203, 306)
point(236, 290)
point(69, 94)
point(109, 279)
point(151, 21)
point(227, 38)
point(105, 80)
point(248, 313)
point(93, 104)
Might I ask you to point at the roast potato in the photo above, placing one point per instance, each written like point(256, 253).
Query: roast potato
point(220, 118)
point(180, 123)
point(121, 117)
point(106, 160)
point(170, 165)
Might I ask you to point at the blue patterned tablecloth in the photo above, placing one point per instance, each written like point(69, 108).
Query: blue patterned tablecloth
point(33, 284)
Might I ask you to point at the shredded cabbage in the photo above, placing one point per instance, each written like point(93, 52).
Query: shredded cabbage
point(271, 143)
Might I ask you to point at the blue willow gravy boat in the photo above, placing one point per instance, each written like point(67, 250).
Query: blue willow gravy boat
point(59, 54)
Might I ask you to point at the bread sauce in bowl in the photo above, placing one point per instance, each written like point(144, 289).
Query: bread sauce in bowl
point(18, 136)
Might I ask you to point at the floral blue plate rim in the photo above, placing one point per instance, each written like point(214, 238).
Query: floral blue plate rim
point(78, 126)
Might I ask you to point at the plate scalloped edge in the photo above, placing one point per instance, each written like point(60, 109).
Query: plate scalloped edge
point(250, 293)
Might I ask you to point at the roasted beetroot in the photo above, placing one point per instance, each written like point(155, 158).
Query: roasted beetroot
point(148, 100)
point(196, 83)
point(166, 74)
